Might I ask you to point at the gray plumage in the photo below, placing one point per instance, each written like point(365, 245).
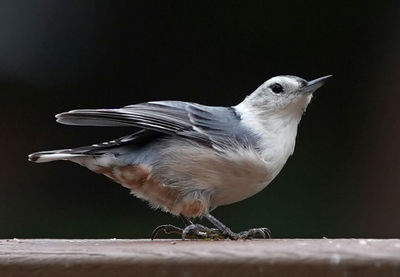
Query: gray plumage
point(188, 158)
point(200, 123)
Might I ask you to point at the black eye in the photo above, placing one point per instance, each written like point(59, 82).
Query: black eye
point(276, 88)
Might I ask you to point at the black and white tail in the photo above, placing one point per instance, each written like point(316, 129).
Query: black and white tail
point(55, 155)
point(136, 138)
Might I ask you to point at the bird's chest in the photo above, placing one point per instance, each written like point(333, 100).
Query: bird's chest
point(277, 147)
point(252, 171)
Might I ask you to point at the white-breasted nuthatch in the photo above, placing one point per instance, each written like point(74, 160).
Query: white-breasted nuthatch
point(187, 159)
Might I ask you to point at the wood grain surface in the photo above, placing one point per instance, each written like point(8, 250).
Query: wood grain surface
point(274, 257)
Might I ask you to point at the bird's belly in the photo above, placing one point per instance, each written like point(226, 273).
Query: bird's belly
point(222, 177)
point(241, 182)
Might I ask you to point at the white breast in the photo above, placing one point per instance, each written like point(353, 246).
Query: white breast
point(242, 174)
point(225, 176)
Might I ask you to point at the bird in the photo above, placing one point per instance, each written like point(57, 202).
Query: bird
point(187, 159)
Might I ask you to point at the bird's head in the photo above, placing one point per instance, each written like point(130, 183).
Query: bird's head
point(283, 95)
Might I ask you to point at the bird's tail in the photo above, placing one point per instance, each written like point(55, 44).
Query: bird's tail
point(54, 155)
point(98, 149)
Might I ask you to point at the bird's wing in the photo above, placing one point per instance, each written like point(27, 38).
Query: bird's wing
point(205, 124)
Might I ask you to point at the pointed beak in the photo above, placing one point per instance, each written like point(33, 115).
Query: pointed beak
point(315, 84)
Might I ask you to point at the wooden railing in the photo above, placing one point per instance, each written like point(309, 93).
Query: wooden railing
point(274, 257)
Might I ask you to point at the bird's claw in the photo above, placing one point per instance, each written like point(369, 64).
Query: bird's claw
point(192, 231)
point(198, 231)
point(167, 228)
point(263, 233)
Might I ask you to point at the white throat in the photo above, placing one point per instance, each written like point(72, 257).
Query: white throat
point(277, 130)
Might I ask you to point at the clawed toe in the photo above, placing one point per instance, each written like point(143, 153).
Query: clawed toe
point(168, 229)
point(255, 233)
point(192, 231)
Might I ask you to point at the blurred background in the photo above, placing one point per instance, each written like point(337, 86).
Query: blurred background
point(343, 180)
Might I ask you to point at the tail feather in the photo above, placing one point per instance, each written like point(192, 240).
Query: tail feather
point(139, 138)
point(49, 156)
point(99, 117)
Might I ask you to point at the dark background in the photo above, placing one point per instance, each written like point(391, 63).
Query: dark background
point(343, 180)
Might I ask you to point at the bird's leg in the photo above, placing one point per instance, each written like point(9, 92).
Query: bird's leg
point(251, 233)
point(225, 231)
point(192, 229)
point(186, 220)
point(198, 230)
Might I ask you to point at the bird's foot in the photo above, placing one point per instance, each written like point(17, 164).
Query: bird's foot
point(263, 233)
point(192, 231)
point(167, 229)
point(249, 234)
point(198, 231)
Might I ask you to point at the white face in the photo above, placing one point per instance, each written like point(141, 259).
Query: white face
point(283, 85)
point(283, 93)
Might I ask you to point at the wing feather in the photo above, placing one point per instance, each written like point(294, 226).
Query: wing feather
point(205, 124)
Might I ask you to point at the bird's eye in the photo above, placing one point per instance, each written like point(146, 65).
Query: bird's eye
point(276, 88)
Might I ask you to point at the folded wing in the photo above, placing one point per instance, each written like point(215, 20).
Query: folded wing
point(204, 124)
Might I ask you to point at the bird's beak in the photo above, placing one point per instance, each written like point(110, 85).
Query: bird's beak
point(315, 84)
